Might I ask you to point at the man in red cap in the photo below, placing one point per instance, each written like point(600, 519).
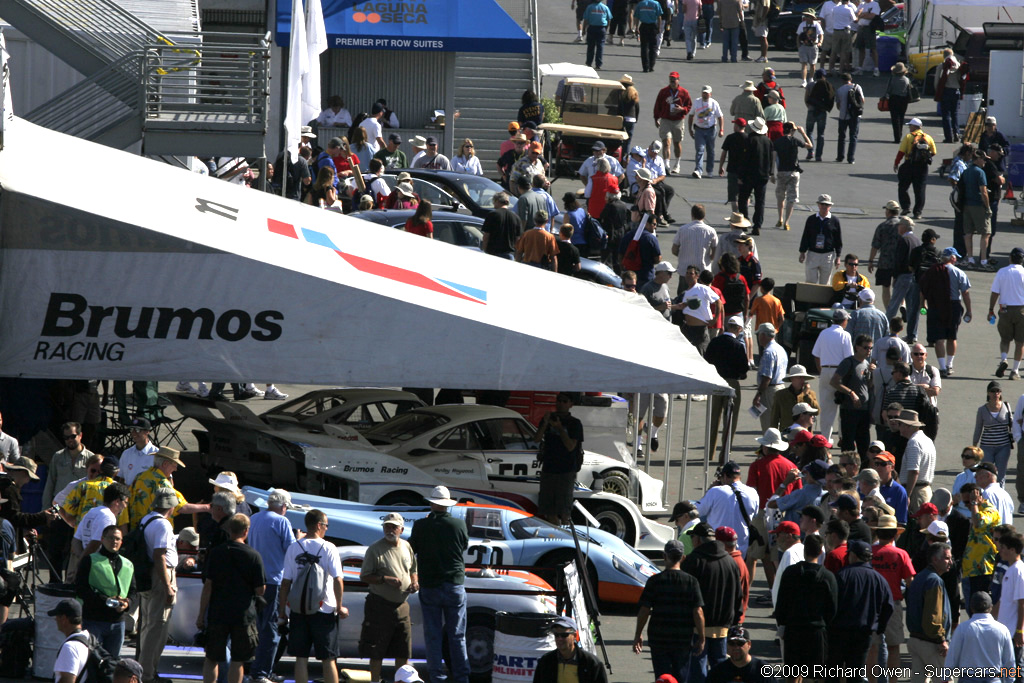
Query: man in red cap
point(915, 538)
point(727, 536)
point(892, 492)
point(787, 538)
point(670, 109)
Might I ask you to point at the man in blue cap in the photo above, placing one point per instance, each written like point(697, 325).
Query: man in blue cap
point(944, 291)
point(567, 661)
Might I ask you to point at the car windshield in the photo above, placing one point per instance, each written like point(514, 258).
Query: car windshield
point(535, 527)
point(481, 190)
point(309, 407)
point(407, 426)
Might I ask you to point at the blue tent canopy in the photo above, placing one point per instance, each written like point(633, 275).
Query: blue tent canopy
point(438, 25)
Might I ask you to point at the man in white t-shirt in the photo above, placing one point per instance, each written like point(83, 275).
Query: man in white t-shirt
point(866, 36)
point(374, 129)
point(138, 458)
point(1008, 290)
point(1009, 611)
point(74, 653)
point(787, 538)
point(700, 307)
point(158, 601)
point(317, 631)
point(90, 530)
point(918, 467)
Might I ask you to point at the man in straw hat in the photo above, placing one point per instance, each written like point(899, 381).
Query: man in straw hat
point(757, 169)
point(727, 243)
point(896, 567)
point(166, 462)
point(798, 391)
point(809, 37)
point(439, 541)
point(918, 467)
point(746, 105)
point(821, 243)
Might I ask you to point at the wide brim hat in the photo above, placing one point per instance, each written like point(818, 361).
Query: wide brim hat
point(909, 417)
point(626, 79)
point(737, 219)
point(887, 522)
point(797, 371)
point(644, 174)
point(748, 86)
point(441, 496)
point(23, 463)
point(226, 482)
point(171, 454)
point(758, 126)
point(772, 438)
point(899, 69)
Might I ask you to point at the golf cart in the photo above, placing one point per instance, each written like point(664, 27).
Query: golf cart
point(808, 312)
point(590, 112)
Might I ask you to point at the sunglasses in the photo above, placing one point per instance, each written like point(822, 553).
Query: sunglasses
point(93, 470)
point(918, 353)
point(567, 634)
point(70, 436)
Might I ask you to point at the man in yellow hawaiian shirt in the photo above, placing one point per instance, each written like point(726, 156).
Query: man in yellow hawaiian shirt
point(165, 462)
point(980, 553)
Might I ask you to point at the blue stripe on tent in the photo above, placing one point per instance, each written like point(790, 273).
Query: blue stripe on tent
point(470, 291)
point(318, 238)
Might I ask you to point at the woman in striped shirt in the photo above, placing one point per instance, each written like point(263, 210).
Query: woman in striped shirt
point(992, 430)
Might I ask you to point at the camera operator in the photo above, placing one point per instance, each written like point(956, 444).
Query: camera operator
point(561, 457)
point(18, 472)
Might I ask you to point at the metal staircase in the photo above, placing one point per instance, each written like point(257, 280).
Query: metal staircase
point(488, 90)
point(205, 96)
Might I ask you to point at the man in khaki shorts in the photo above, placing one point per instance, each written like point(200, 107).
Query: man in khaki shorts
point(670, 110)
point(1008, 290)
point(977, 212)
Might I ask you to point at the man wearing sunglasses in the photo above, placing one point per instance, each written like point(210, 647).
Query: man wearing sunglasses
point(567, 661)
point(66, 465)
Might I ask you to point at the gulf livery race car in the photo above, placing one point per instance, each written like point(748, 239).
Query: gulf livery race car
point(498, 535)
point(480, 609)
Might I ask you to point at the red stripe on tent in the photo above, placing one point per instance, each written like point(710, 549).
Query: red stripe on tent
point(401, 275)
point(286, 229)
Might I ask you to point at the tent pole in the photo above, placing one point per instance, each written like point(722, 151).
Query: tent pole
point(284, 175)
point(648, 419)
point(634, 405)
point(686, 447)
point(666, 474)
point(730, 410)
point(707, 440)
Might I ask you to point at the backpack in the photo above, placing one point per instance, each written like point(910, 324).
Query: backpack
point(309, 589)
point(595, 235)
point(854, 101)
point(734, 291)
point(135, 550)
point(921, 154)
point(631, 259)
point(16, 647)
point(99, 668)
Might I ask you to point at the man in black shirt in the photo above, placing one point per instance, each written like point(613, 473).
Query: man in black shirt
point(615, 221)
point(502, 229)
point(995, 178)
point(727, 353)
point(853, 380)
point(232, 580)
point(740, 666)
point(823, 239)
point(805, 605)
point(734, 147)
point(904, 286)
point(673, 601)
point(561, 437)
point(755, 172)
point(847, 508)
point(787, 186)
point(568, 254)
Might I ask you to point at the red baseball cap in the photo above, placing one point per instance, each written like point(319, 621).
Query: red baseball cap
point(725, 534)
point(802, 436)
point(787, 528)
point(926, 509)
point(740, 120)
point(674, 74)
point(666, 678)
point(819, 441)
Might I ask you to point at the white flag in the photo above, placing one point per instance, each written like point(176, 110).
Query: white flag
point(7, 113)
point(316, 40)
point(298, 68)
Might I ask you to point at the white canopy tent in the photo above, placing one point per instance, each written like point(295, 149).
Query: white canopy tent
point(138, 270)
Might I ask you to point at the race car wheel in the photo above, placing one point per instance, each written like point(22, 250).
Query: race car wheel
point(616, 481)
point(402, 498)
point(480, 645)
point(614, 520)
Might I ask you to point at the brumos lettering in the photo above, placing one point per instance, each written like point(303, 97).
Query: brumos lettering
point(70, 315)
point(368, 469)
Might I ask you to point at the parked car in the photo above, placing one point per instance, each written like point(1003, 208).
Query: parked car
point(782, 26)
point(482, 602)
point(498, 535)
point(972, 46)
point(465, 231)
point(474, 193)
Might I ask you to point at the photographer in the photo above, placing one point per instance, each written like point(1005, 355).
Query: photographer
point(561, 456)
point(18, 472)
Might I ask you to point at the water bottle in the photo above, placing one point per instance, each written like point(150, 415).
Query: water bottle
point(991, 318)
point(113, 603)
point(967, 318)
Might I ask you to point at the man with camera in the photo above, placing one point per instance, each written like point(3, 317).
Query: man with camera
point(104, 582)
point(561, 456)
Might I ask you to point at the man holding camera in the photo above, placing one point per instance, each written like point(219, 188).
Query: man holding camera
point(561, 456)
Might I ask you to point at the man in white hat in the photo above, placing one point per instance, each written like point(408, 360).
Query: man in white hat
point(746, 105)
point(916, 152)
point(419, 148)
point(705, 118)
point(771, 370)
point(830, 349)
point(440, 539)
point(821, 243)
point(867, 319)
point(798, 391)
point(803, 419)
point(389, 567)
point(756, 170)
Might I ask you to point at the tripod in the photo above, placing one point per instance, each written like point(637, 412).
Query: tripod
point(28, 574)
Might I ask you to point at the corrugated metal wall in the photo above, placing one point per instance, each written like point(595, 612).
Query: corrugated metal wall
point(414, 83)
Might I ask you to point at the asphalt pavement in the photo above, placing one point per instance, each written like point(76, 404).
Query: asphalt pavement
point(859, 191)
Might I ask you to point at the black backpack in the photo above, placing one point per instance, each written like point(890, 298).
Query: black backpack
point(99, 668)
point(135, 550)
point(921, 153)
point(734, 291)
point(854, 101)
point(595, 235)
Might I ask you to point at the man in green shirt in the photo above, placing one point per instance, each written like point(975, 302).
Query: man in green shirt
point(439, 541)
point(390, 154)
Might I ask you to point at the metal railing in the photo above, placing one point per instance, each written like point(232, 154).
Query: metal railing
point(214, 81)
point(100, 26)
point(93, 106)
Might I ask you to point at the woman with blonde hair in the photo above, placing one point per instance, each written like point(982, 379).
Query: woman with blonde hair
point(466, 161)
point(629, 108)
